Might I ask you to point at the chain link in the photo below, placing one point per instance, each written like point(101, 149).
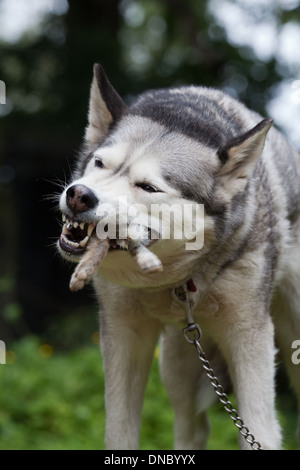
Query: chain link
point(193, 335)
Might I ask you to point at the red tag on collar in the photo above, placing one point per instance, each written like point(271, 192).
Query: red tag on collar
point(191, 286)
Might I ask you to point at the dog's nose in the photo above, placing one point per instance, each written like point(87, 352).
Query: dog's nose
point(80, 198)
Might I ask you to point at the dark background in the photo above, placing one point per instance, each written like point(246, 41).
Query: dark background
point(47, 72)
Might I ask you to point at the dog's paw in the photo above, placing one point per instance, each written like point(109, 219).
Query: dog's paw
point(149, 262)
point(78, 280)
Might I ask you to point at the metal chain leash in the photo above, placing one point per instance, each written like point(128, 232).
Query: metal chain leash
point(222, 396)
point(193, 334)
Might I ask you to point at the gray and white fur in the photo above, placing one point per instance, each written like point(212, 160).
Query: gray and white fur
point(193, 145)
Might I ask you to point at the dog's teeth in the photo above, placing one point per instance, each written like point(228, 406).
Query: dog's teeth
point(122, 244)
point(63, 217)
point(84, 241)
point(82, 225)
point(69, 224)
point(65, 230)
point(75, 225)
point(75, 244)
point(69, 242)
point(90, 229)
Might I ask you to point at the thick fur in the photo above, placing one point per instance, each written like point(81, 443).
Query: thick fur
point(195, 145)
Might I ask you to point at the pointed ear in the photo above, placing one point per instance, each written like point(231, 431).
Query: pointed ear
point(105, 108)
point(240, 155)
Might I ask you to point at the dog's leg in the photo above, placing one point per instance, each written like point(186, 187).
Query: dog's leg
point(189, 390)
point(248, 346)
point(128, 340)
point(286, 312)
point(86, 268)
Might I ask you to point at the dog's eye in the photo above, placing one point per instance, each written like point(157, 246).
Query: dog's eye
point(99, 163)
point(147, 187)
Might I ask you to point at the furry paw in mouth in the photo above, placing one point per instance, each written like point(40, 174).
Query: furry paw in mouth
point(87, 266)
point(97, 250)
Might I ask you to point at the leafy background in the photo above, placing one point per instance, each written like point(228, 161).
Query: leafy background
point(51, 392)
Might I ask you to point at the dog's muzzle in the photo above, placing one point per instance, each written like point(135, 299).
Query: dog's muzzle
point(76, 232)
point(80, 223)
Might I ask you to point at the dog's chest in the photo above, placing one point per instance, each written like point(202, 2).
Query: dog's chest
point(164, 306)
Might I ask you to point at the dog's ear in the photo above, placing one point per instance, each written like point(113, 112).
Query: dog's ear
point(240, 154)
point(105, 109)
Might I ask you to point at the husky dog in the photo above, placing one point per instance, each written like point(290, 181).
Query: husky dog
point(191, 145)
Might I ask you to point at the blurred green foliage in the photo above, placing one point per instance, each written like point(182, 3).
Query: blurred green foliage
point(51, 400)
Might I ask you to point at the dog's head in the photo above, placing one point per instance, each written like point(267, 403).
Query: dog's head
point(173, 162)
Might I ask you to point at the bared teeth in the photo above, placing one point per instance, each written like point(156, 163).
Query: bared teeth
point(69, 242)
point(90, 229)
point(65, 230)
point(69, 225)
point(83, 242)
point(122, 244)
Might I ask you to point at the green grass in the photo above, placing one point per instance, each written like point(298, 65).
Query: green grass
point(54, 400)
